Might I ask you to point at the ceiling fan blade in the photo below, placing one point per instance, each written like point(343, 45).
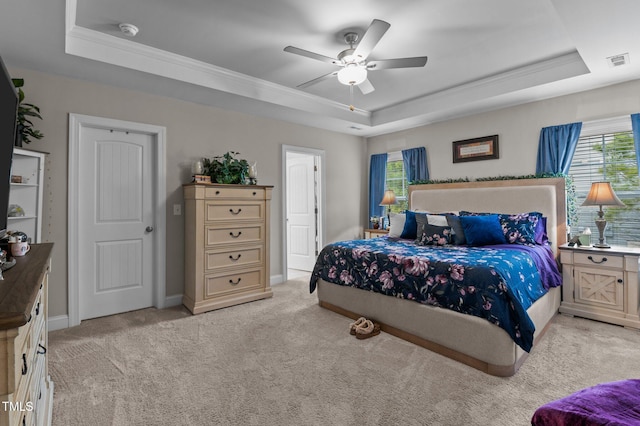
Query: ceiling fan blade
point(366, 87)
point(317, 80)
point(370, 38)
point(316, 56)
point(383, 64)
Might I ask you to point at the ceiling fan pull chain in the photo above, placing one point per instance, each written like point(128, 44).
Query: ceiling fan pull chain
point(351, 107)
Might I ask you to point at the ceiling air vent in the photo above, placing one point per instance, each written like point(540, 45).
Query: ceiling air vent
point(618, 60)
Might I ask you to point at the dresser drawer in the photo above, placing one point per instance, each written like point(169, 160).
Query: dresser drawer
point(221, 285)
point(235, 192)
point(250, 233)
point(229, 258)
point(601, 259)
point(233, 211)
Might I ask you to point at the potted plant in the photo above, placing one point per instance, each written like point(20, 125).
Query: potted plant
point(226, 168)
point(25, 112)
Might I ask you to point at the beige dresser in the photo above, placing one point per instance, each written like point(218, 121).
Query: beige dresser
point(226, 245)
point(26, 390)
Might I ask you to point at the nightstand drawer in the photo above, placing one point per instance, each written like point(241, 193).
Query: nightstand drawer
point(600, 259)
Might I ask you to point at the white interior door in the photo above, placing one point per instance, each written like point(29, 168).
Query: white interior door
point(115, 222)
point(301, 211)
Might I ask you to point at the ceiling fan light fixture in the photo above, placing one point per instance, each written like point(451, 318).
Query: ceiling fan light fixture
point(352, 75)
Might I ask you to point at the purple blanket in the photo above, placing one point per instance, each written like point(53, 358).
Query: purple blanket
point(611, 404)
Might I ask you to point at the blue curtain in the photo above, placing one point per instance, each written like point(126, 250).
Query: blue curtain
point(556, 148)
point(415, 164)
point(377, 179)
point(635, 125)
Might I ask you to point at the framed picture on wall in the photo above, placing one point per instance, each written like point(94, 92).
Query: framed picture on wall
point(483, 148)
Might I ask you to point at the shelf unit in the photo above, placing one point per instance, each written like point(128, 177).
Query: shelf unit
point(29, 165)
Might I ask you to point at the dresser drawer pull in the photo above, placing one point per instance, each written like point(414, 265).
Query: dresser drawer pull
point(255, 193)
point(24, 420)
point(217, 192)
point(38, 309)
point(29, 320)
point(604, 259)
point(235, 282)
point(235, 258)
point(235, 212)
point(620, 281)
point(235, 235)
point(42, 350)
point(24, 364)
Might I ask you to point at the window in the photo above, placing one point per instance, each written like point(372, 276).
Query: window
point(605, 152)
point(397, 181)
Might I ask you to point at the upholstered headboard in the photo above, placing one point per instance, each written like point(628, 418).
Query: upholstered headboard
point(546, 196)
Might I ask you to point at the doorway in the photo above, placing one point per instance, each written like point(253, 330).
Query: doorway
point(303, 207)
point(116, 217)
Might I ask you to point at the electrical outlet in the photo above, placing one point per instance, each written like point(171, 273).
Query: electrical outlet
point(177, 209)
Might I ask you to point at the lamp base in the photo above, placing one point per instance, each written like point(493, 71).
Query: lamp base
point(601, 245)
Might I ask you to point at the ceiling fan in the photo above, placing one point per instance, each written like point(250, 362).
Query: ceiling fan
point(353, 61)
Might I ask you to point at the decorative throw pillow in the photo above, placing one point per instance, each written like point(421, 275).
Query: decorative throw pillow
point(456, 228)
point(410, 225)
point(421, 221)
point(433, 235)
point(482, 230)
point(437, 219)
point(520, 228)
point(397, 224)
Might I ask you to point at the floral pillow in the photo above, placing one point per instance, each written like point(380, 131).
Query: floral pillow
point(517, 228)
point(433, 235)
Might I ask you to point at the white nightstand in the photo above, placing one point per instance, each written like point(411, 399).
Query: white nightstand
point(373, 233)
point(601, 284)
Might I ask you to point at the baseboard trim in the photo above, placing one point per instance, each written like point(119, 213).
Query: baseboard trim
point(58, 322)
point(276, 279)
point(174, 300)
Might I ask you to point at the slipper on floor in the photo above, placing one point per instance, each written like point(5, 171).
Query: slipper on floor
point(354, 325)
point(367, 329)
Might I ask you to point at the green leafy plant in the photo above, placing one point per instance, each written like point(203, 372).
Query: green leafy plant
point(25, 112)
point(226, 168)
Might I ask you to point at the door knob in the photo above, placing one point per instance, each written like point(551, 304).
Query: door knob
point(149, 229)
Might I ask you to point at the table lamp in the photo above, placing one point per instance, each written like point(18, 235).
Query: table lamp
point(601, 194)
point(388, 199)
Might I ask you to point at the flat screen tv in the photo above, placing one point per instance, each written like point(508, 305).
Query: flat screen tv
point(8, 121)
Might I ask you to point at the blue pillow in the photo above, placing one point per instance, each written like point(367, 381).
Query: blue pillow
point(482, 230)
point(410, 230)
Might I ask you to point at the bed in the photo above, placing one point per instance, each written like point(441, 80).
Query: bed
point(469, 339)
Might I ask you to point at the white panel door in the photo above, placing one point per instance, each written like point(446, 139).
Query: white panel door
point(301, 216)
point(115, 222)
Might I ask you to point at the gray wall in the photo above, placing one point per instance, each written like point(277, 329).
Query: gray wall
point(518, 129)
point(193, 131)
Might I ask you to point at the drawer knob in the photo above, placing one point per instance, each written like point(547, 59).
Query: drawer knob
point(24, 364)
point(235, 282)
point(604, 259)
point(217, 192)
point(42, 350)
point(255, 193)
point(235, 211)
point(620, 281)
point(235, 258)
point(235, 235)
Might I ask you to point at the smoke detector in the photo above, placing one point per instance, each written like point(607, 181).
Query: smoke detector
point(129, 30)
point(618, 60)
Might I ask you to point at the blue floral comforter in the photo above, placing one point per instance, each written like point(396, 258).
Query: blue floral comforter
point(498, 283)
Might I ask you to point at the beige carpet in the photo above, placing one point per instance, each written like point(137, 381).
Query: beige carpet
point(286, 361)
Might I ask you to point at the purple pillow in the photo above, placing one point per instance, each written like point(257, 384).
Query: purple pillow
point(541, 231)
